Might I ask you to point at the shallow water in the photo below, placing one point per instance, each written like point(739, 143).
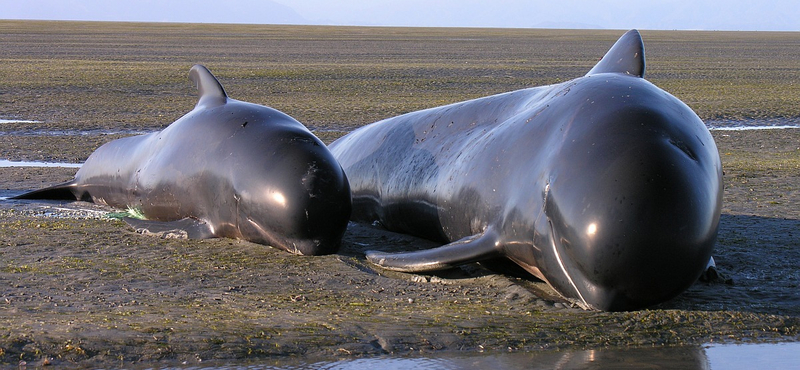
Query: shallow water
point(6, 163)
point(707, 357)
point(48, 132)
point(36, 131)
point(17, 121)
point(753, 124)
point(748, 128)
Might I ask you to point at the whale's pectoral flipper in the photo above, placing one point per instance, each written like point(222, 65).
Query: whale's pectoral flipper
point(626, 56)
point(185, 228)
point(64, 191)
point(473, 248)
point(208, 87)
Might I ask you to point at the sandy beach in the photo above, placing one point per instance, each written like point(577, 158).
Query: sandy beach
point(82, 289)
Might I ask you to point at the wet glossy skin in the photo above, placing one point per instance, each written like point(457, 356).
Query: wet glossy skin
point(240, 170)
point(606, 187)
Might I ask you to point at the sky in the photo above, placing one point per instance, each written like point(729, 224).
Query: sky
point(735, 15)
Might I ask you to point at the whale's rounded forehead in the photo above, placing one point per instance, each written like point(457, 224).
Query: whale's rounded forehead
point(235, 111)
point(242, 126)
point(618, 90)
point(623, 103)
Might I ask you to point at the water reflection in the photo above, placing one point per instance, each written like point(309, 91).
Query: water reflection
point(752, 356)
point(712, 357)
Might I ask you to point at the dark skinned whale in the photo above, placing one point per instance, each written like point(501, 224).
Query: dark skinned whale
point(606, 187)
point(226, 169)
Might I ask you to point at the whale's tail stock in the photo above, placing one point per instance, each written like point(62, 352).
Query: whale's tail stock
point(63, 191)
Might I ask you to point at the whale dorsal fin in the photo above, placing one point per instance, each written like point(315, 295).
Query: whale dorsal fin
point(626, 56)
point(209, 89)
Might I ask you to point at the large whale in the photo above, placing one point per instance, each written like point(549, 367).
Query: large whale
point(226, 169)
point(606, 187)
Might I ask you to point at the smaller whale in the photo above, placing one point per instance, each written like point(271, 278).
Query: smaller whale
point(226, 169)
point(606, 187)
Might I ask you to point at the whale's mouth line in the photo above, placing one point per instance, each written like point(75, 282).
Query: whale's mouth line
point(563, 268)
point(556, 253)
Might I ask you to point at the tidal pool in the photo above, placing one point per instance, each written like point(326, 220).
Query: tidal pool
point(748, 128)
point(706, 357)
point(753, 124)
point(6, 163)
point(17, 121)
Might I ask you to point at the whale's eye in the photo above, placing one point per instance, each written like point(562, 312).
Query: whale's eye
point(683, 147)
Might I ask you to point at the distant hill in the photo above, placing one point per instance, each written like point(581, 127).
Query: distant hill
point(774, 15)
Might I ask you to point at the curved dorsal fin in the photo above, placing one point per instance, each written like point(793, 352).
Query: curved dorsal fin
point(209, 89)
point(626, 56)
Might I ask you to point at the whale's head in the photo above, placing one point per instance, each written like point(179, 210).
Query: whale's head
point(300, 196)
point(276, 182)
point(633, 196)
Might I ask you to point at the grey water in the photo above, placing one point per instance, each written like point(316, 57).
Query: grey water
point(748, 128)
point(17, 121)
point(65, 132)
point(783, 123)
point(91, 132)
point(705, 357)
point(4, 163)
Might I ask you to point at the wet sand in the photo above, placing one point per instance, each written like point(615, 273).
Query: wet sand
point(87, 290)
point(84, 290)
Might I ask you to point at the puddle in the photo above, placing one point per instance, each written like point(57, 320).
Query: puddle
point(38, 131)
point(92, 132)
point(754, 356)
point(753, 124)
point(748, 128)
point(706, 357)
point(17, 121)
point(6, 163)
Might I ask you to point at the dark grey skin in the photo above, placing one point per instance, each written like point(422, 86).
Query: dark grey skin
point(226, 169)
point(606, 187)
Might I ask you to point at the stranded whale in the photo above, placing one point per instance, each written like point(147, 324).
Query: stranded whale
point(606, 187)
point(226, 169)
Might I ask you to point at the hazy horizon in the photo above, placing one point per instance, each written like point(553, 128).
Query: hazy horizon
point(732, 15)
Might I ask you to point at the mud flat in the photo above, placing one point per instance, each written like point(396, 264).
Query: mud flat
point(81, 289)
